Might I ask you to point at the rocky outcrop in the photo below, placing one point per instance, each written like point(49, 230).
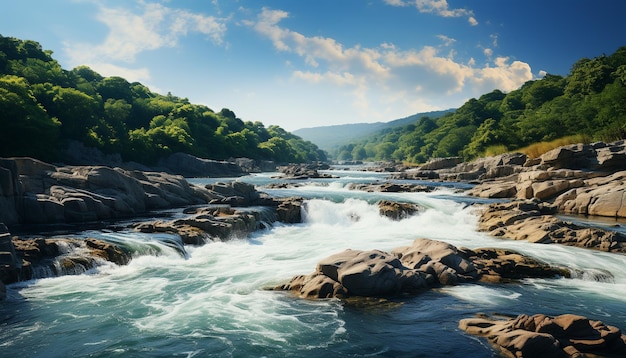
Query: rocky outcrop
point(37, 192)
point(305, 171)
point(10, 263)
point(190, 166)
point(412, 269)
point(224, 222)
point(602, 196)
point(545, 336)
point(598, 158)
point(389, 187)
point(207, 224)
point(41, 257)
point(532, 221)
point(398, 211)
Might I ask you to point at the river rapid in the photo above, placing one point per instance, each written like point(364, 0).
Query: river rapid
point(210, 301)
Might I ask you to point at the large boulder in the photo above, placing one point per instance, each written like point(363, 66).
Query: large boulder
point(412, 269)
point(539, 335)
point(398, 211)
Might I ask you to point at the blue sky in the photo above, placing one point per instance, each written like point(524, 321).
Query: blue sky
point(299, 64)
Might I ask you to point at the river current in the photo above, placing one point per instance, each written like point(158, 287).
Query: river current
point(210, 301)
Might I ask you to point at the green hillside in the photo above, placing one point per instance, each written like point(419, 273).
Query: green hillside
point(43, 107)
point(590, 102)
point(330, 137)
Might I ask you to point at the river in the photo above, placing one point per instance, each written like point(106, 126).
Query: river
point(210, 301)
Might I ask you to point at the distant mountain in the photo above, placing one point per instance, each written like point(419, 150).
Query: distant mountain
point(329, 137)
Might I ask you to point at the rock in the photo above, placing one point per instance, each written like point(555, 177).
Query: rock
point(601, 196)
point(188, 165)
point(41, 193)
point(389, 187)
point(10, 263)
point(305, 171)
point(289, 210)
point(441, 163)
point(398, 211)
point(540, 335)
point(412, 269)
point(502, 265)
point(40, 257)
point(532, 221)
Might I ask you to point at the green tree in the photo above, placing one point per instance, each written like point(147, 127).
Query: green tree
point(27, 130)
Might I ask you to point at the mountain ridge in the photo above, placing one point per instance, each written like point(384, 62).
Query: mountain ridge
point(329, 137)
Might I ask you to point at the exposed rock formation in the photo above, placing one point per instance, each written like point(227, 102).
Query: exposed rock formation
point(231, 218)
point(32, 191)
point(305, 171)
point(39, 257)
point(206, 224)
point(392, 188)
point(411, 269)
point(190, 166)
point(531, 221)
point(398, 211)
point(544, 336)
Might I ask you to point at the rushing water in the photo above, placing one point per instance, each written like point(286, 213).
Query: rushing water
point(210, 301)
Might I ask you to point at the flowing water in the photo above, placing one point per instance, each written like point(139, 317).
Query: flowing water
point(209, 301)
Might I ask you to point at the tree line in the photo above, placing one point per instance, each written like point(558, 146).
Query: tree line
point(590, 101)
point(43, 107)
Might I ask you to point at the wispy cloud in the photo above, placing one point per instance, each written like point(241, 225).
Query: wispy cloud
point(413, 75)
point(153, 27)
point(437, 7)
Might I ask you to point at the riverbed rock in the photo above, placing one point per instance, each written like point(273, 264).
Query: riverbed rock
point(305, 171)
point(46, 257)
point(412, 269)
point(398, 211)
point(540, 335)
point(533, 221)
point(389, 187)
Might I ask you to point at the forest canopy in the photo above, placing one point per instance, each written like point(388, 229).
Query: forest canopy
point(43, 107)
point(590, 102)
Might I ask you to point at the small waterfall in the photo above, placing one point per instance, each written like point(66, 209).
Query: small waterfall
point(595, 275)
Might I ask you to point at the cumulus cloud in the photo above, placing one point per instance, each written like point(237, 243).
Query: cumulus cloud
point(387, 75)
point(130, 34)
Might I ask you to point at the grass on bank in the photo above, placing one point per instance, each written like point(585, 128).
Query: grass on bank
point(537, 149)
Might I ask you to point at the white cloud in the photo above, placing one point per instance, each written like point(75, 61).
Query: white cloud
point(383, 77)
point(130, 34)
point(437, 7)
point(503, 76)
point(447, 41)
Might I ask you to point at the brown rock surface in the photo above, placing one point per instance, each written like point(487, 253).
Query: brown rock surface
point(544, 336)
point(41, 257)
point(532, 221)
point(412, 269)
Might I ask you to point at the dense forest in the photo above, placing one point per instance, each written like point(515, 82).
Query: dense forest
point(43, 107)
point(589, 102)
